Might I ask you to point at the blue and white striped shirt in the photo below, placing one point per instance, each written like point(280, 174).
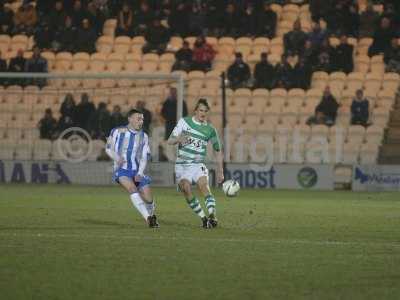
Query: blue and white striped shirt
point(130, 145)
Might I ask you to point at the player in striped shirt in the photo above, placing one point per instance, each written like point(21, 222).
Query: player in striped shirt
point(192, 134)
point(128, 147)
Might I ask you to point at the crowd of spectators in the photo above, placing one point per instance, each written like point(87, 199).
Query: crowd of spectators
point(97, 121)
point(75, 25)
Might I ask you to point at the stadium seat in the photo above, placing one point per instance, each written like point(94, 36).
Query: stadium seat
point(350, 153)
point(355, 134)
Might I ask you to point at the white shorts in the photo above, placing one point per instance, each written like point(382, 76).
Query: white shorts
point(192, 172)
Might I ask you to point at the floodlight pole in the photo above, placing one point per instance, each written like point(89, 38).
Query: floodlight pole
point(224, 127)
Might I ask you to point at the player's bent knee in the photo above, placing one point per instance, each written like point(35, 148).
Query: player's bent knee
point(185, 187)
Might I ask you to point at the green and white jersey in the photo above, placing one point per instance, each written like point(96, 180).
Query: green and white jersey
point(195, 151)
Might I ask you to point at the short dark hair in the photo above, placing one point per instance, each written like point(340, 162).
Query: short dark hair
point(202, 101)
point(134, 111)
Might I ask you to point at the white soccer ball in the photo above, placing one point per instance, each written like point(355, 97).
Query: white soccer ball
point(231, 188)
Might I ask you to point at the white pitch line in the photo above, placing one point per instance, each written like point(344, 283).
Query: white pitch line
point(220, 240)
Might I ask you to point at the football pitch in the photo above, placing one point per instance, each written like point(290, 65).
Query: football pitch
point(75, 242)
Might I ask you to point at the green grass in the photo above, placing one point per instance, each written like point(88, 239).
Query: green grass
point(69, 242)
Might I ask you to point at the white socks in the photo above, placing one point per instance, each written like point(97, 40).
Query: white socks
point(150, 207)
point(140, 205)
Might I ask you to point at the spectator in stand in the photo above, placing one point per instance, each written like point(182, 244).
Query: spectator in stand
point(317, 35)
point(86, 38)
point(44, 37)
point(178, 20)
point(343, 19)
point(68, 113)
point(95, 17)
point(368, 21)
point(78, 14)
point(143, 18)
point(294, 40)
point(359, 110)
point(84, 111)
point(47, 125)
point(17, 64)
point(197, 20)
point(147, 116)
point(25, 20)
point(213, 18)
point(203, 55)
point(390, 13)
point(264, 73)
point(392, 57)
point(125, 21)
point(320, 9)
point(65, 39)
point(343, 56)
point(239, 72)
point(309, 54)
point(56, 19)
point(382, 38)
point(157, 38)
point(168, 111)
point(117, 119)
point(303, 74)
point(326, 110)
point(184, 58)
point(285, 73)
point(6, 19)
point(36, 64)
point(266, 21)
point(325, 57)
point(231, 21)
point(100, 123)
point(249, 21)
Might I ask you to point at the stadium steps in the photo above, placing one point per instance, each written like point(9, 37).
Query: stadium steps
point(390, 150)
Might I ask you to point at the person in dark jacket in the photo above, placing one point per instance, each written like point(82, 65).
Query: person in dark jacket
point(238, 72)
point(231, 21)
point(343, 56)
point(359, 110)
point(392, 57)
point(326, 110)
point(266, 21)
point(178, 20)
point(17, 64)
point(66, 37)
point(117, 118)
point(47, 125)
point(84, 111)
point(44, 36)
point(36, 64)
point(100, 123)
point(147, 116)
point(68, 113)
point(157, 38)
point(184, 58)
point(382, 38)
point(294, 40)
point(86, 37)
point(264, 73)
point(303, 74)
point(169, 110)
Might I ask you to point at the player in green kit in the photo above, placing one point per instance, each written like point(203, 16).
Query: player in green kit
point(192, 135)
